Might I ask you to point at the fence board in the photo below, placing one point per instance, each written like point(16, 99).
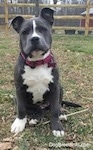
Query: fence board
point(48, 5)
point(67, 28)
point(55, 17)
point(70, 17)
point(2, 16)
point(21, 5)
point(25, 16)
point(1, 4)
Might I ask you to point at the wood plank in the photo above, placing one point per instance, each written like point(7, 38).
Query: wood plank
point(87, 18)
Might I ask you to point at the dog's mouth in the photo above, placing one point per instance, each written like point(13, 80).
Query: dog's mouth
point(38, 55)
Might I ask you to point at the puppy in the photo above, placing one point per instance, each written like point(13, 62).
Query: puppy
point(36, 75)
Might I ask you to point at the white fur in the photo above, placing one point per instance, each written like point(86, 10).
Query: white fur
point(33, 122)
point(18, 125)
point(40, 56)
point(63, 117)
point(34, 34)
point(37, 80)
point(58, 133)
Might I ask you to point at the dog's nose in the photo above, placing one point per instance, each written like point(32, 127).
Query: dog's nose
point(35, 40)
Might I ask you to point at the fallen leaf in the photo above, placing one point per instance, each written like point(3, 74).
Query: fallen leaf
point(6, 146)
point(82, 123)
point(15, 148)
point(3, 120)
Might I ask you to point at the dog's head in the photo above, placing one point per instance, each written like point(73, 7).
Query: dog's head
point(35, 33)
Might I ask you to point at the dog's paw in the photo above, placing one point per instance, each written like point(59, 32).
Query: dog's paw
point(57, 128)
point(18, 125)
point(63, 117)
point(58, 133)
point(33, 122)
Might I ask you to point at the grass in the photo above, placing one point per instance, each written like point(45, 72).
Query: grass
point(74, 55)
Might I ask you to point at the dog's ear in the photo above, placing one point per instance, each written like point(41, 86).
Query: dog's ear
point(47, 14)
point(17, 22)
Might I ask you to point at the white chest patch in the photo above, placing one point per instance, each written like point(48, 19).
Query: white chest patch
point(37, 81)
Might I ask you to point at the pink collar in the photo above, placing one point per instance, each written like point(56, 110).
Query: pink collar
point(49, 60)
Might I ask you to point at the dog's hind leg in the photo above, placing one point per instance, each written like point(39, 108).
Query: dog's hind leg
point(36, 114)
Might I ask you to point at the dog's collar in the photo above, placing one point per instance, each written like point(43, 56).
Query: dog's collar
point(49, 60)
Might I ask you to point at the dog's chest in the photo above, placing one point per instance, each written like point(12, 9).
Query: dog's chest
point(37, 80)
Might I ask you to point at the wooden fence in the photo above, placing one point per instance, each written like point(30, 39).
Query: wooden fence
point(6, 14)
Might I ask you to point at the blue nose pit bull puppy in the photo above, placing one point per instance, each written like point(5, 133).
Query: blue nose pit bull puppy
point(36, 75)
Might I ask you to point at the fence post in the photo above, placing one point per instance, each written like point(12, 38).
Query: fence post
point(37, 8)
point(87, 17)
point(6, 16)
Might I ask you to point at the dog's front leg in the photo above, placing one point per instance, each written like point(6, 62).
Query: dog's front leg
point(20, 122)
point(56, 125)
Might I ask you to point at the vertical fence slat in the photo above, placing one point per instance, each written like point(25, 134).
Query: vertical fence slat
point(37, 8)
point(6, 16)
point(87, 18)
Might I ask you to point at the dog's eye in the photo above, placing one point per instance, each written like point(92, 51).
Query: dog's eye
point(42, 29)
point(25, 32)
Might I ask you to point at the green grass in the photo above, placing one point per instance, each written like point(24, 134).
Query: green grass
point(76, 43)
point(74, 55)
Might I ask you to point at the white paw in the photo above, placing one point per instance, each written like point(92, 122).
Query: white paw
point(33, 122)
point(18, 125)
point(63, 117)
point(58, 133)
